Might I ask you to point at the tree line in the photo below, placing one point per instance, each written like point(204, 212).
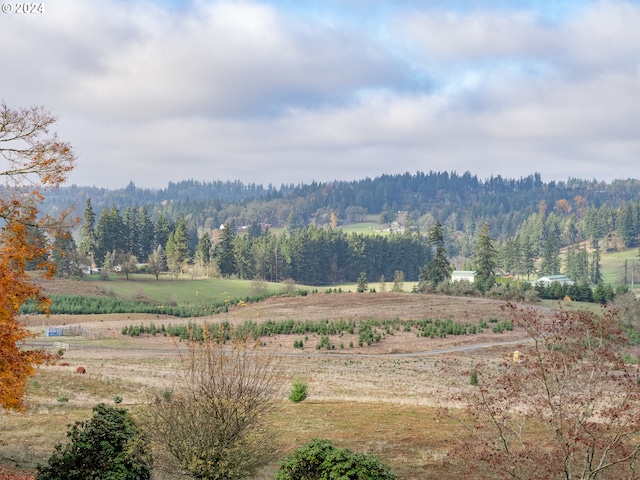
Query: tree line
point(461, 202)
point(317, 255)
point(311, 254)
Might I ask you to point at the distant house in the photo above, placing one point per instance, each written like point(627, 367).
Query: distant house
point(87, 270)
point(467, 275)
point(549, 279)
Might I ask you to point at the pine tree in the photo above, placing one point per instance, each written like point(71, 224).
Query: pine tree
point(161, 231)
point(527, 256)
point(595, 270)
point(109, 234)
point(363, 285)
point(88, 232)
point(485, 260)
point(551, 262)
point(131, 231)
point(203, 249)
point(224, 252)
point(439, 269)
point(182, 241)
point(145, 234)
point(64, 255)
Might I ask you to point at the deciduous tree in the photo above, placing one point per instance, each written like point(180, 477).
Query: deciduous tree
point(569, 407)
point(33, 160)
point(213, 423)
point(157, 262)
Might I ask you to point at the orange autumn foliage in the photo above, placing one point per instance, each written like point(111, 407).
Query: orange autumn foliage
point(33, 160)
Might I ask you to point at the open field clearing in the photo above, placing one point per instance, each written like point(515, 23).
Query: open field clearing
point(381, 398)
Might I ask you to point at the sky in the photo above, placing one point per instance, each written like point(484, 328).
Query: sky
point(292, 91)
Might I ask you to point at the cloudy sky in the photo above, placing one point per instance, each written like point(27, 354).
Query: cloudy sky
point(289, 91)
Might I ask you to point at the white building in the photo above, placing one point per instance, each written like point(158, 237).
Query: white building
point(468, 275)
point(549, 279)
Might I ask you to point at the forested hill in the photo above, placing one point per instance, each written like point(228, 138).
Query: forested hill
point(462, 201)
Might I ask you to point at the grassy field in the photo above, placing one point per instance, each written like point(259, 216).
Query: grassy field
point(182, 291)
point(613, 265)
point(369, 403)
point(349, 403)
point(378, 403)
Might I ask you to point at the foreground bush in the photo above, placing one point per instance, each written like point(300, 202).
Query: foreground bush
point(320, 460)
point(214, 424)
point(109, 446)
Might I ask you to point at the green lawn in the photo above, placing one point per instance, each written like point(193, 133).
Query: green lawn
point(369, 228)
point(613, 265)
point(183, 291)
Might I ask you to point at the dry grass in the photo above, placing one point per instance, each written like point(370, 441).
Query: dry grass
point(382, 404)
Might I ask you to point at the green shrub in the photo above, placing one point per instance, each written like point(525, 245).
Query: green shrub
point(298, 391)
point(108, 446)
point(473, 380)
point(320, 460)
point(62, 399)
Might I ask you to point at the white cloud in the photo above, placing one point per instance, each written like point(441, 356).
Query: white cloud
point(265, 93)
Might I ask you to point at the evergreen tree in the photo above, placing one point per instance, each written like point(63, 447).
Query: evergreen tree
point(37, 239)
point(255, 231)
point(527, 257)
point(577, 264)
point(439, 269)
point(595, 270)
point(65, 255)
point(109, 234)
point(204, 248)
point(224, 252)
point(551, 262)
point(625, 224)
point(363, 285)
point(182, 241)
point(131, 231)
point(161, 231)
point(243, 257)
point(110, 445)
point(485, 260)
point(88, 232)
point(145, 234)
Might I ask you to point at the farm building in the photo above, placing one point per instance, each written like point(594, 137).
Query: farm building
point(467, 275)
point(549, 279)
